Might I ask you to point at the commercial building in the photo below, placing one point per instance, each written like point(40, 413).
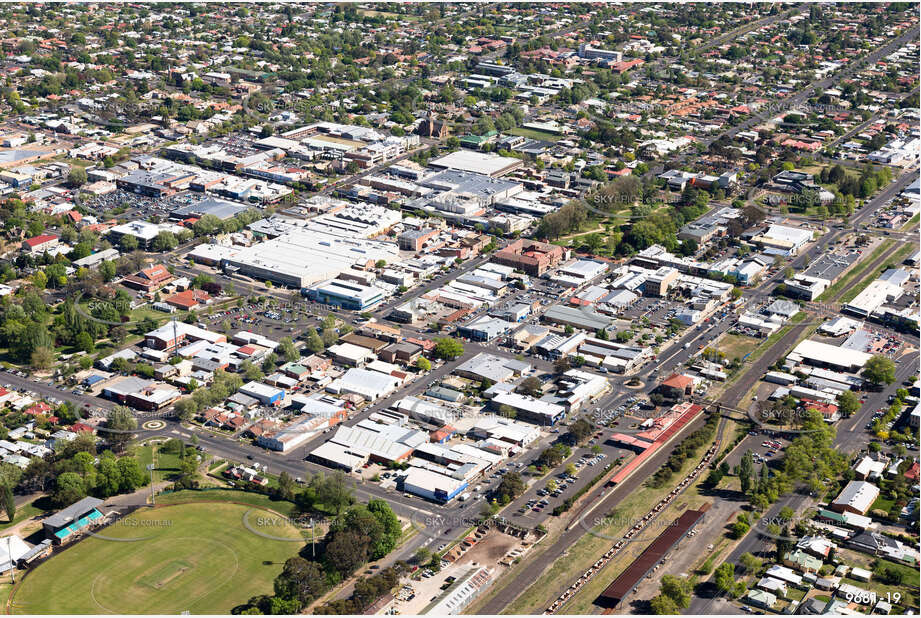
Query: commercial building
point(346, 294)
point(887, 288)
point(827, 355)
point(267, 395)
point(529, 409)
point(371, 385)
point(533, 257)
point(485, 328)
point(460, 593)
point(302, 257)
point(490, 367)
point(432, 485)
point(783, 240)
point(491, 165)
point(856, 497)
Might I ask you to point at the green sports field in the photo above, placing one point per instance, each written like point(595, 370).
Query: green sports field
point(200, 558)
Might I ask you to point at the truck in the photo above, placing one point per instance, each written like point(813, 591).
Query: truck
point(463, 497)
point(687, 345)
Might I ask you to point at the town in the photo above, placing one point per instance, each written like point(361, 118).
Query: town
point(425, 309)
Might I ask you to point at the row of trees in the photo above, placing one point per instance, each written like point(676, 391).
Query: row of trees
point(360, 533)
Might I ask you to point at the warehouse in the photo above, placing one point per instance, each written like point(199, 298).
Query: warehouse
point(302, 257)
point(432, 485)
point(826, 355)
point(485, 366)
point(631, 577)
point(346, 294)
point(267, 395)
point(491, 165)
point(371, 385)
point(529, 409)
point(856, 497)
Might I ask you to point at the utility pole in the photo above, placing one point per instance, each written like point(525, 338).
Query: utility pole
point(9, 553)
point(153, 495)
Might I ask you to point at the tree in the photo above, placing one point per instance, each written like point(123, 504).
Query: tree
point(879, 370)
point(69, 488)
point(301, 579)
point(164, 241)
point(448, 348)
point(423, 364)
point(120, 425)
point(664, 606)
point(561, 365)
point(678, 589)
point(9, 503)
point(77, 176)
point(128, 243)
point(287, 350)
point(346, 551)
point(725, 578)
point(109, 477)
point(750, 562)
point(131, 474)
point(746, 469)
point(530, 386)
point(42, 358)
point(313, 341)
point(848, 403)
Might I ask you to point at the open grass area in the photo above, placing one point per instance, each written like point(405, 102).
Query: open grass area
point(230, 496)
point(736, 346)
point(27, 511)
point(535, 134)
point(199, 558)
point(166, 465)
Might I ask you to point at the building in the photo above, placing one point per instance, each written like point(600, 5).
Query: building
point(149, 279)
point(299, 257)
point(485, 328)
point(487, 164)
point(827, 355)
point(490, 367)
point(267, 395)
point(69, 522)
point(460, 593)
point(432, 485)
point(533, 257)
point(346, 294)
point(39, 244)
point(529, 409)
point(856, 497)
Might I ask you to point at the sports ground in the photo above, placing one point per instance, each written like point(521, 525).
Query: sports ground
point(200, 557)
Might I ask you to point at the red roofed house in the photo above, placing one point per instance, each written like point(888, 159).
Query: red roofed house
point(829, 411)
point(82, 428)
point(39, 408)
point(913, 473)
point(40, 243)
point(190, 299)
point(149, 279)
point(677, 386)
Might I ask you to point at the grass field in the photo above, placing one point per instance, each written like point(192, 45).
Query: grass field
point(196, 557)
point(535, 134)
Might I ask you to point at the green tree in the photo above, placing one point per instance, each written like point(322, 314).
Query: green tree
point(423, 364)
point(448, 348)
point(879, 370)
point(69, 488)
point(9, 503)
point(120, 426)
point(848, 403)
